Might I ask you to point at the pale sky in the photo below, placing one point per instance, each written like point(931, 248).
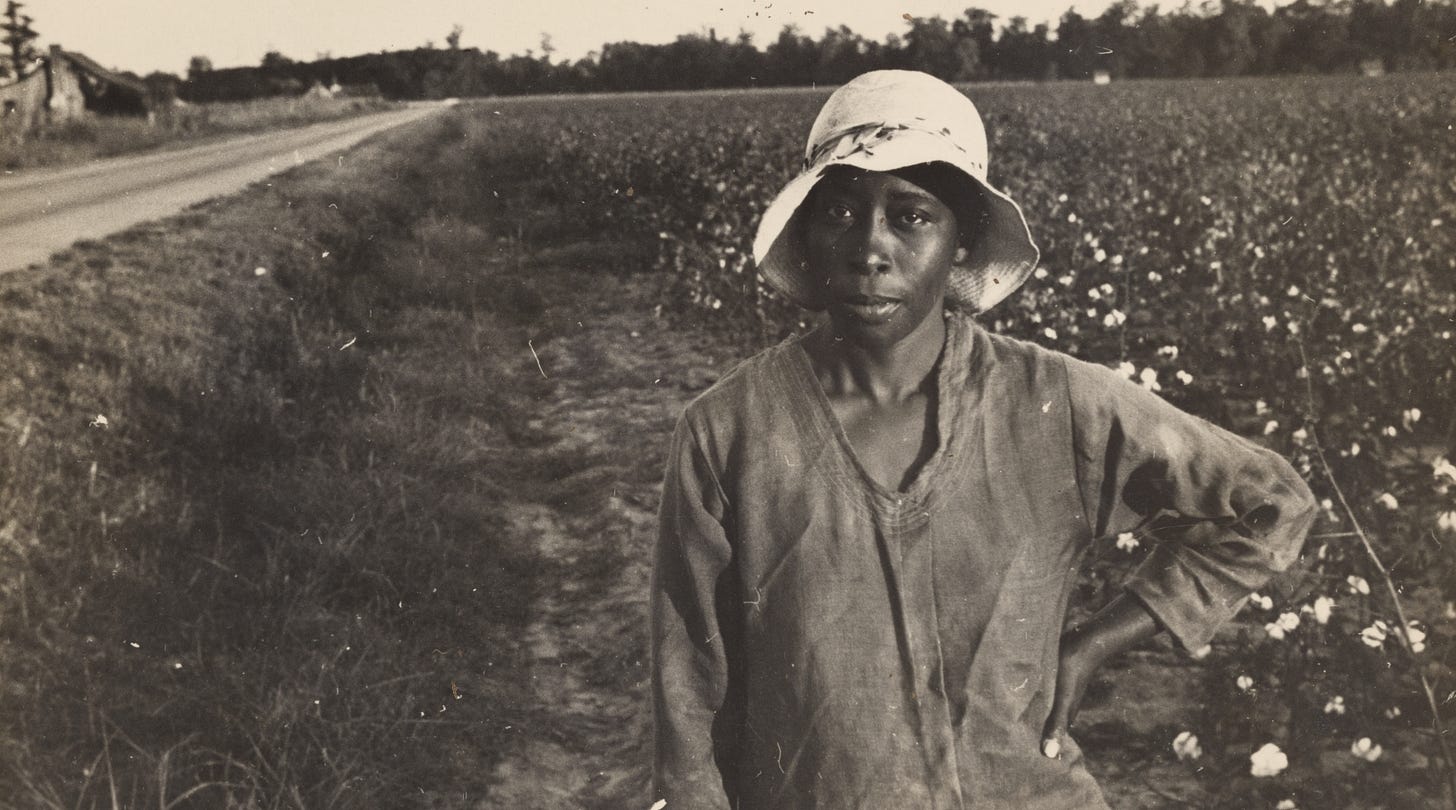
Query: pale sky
point(147, 35)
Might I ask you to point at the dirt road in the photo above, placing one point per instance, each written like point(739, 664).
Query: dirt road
point(43, 211)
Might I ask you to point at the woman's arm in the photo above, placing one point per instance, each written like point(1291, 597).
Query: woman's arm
point(1225, 515)
point(1113, 630)
point(695, 732)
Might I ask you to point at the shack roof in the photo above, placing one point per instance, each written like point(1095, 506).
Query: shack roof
point(90, 66)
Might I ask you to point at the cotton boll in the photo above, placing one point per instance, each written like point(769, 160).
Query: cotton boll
point(1269, 760)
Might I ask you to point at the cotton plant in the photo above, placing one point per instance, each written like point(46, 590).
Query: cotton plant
point(1342, 610)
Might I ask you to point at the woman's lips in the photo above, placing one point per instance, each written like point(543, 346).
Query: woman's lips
point(872, 308)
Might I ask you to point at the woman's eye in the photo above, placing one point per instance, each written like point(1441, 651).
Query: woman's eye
point(837, 212)
point(914, 217)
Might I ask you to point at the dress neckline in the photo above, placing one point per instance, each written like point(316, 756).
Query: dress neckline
point(951, 369)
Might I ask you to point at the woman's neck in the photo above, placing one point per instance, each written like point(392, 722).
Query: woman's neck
point(883, 373)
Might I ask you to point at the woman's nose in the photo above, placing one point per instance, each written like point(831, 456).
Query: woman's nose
point(872, 249)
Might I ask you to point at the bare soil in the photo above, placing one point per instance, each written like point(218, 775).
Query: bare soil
point(620, 379)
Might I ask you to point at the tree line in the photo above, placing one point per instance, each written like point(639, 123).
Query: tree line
point(1229, 38)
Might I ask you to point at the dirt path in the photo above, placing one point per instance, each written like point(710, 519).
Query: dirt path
point(589, 509)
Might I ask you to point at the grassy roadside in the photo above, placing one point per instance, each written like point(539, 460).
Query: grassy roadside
point(250, 462)
point(99, 137)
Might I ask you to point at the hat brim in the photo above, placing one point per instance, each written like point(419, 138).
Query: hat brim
point(1001, 258)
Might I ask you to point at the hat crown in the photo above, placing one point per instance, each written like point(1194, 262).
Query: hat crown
point(903, 98)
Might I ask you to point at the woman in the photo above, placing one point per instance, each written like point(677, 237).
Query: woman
point(869, 533)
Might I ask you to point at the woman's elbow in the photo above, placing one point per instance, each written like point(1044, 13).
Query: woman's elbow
point(1289, 512)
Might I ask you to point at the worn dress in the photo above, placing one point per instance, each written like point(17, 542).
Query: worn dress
point(820, 641)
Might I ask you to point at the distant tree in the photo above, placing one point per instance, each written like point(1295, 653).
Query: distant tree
point(1114, 38)
point(435, 84)
point(745, 62)
point(273, 61)
point(547, 48)
point(843, 54)
point(1318, 38)
point(933, 46)
point(1076, 49)
point(525, 74)
point(624, 66)
point(790, 60)
point(198, 65)
point(697, 61)
point(1435, 33)
point(1022, 53)
point(1389, 32)
point(452, 39)
point(162, 87)
point(978, 26)
point(19, 38)
point(1162, 50)
point(286, 87)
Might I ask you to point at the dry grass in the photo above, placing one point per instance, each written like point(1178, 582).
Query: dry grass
point(108, 136)
point(275, 574)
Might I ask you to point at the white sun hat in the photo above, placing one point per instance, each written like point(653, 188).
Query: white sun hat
point(886, 120)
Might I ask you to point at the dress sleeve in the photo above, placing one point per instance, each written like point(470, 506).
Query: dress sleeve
point(692, 594)
point(1226, 514)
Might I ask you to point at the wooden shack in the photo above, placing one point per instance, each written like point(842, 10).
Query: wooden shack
point(68, 86)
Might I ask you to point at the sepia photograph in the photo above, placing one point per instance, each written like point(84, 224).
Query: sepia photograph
point(728, 405)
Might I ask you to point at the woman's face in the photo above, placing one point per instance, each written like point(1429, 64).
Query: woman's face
point(883, 249)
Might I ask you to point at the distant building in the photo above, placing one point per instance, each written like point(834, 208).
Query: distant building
point(68, 86)
point(1101, 77)
point(318, 90)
